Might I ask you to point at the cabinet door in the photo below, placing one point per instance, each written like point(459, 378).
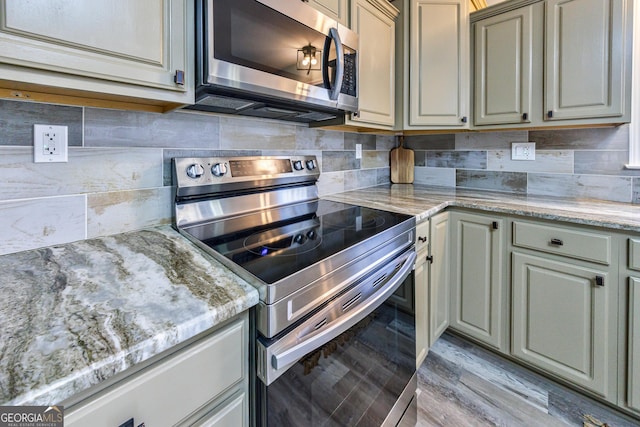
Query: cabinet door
point(336, 9)
point(439, 63)
point(439, 276)
point(421, 275)
point(503, 68)
point(141, 42)
point(563, 322)
point(232, 413)
point(585, 59)
point(477, 286)
point(633, 368)
point(374, 21)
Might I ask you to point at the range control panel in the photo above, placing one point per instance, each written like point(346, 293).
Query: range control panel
point(194, 176)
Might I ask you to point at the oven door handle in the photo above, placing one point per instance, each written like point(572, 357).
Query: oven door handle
point(288, 355)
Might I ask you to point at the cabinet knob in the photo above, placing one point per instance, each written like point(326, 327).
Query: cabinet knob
point(464, 119)
point(422, 239)
point(550, 114)
point(494, 225)
point(525, 116)
point(355, 113)
point(599, 280)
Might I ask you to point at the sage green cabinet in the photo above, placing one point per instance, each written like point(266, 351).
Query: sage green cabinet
point(478, 307)
point(503, 66)
point(439, 275)
point(421, 277)
point(565, 282)
point(110, 47)
point(206, 381)
point(586, 54)
point(436, 80)
point(552, 63)
point(633, 342)
point(374, 21)
point(336, 9)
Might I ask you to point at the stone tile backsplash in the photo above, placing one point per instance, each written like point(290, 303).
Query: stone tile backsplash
point(118, 177)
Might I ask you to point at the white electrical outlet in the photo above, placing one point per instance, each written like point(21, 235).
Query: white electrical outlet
point(50, 144)
point(358, 151)
point(523, 151)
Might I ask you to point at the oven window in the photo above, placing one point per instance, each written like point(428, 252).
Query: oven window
point(353, 380)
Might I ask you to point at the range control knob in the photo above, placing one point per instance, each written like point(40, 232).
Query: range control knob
point(219, 169)
point(311, 164)
point(195, 171)
point(297, 165)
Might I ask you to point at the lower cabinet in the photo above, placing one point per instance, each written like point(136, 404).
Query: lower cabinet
point(478, 295)
point(565, 320)
point(206, 382)
point(633, 367)
point(439, 276)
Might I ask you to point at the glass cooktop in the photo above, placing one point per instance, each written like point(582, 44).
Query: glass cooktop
point(277, 243)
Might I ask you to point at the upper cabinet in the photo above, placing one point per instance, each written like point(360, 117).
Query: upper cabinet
point(436, 84)
point(117, 51)
point(552, 63)
point(336, 9)
point(374, 21)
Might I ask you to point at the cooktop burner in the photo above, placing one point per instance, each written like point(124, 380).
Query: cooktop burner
point(272, 251)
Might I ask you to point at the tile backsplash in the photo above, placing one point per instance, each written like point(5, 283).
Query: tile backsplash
point(118, 177)
point(581, 163)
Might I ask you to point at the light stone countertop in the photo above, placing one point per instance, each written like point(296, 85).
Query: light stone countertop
point(424, 201)
point(77, 314)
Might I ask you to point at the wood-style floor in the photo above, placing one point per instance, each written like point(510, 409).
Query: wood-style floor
point(461, 384)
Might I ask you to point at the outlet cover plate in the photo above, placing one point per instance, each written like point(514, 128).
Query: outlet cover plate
point(50, 143)
point(523, 151)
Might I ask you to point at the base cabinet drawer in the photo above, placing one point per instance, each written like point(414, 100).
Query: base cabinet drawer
point(563, 322)
point(170, 390)
point(565, 241)
point(232, 413)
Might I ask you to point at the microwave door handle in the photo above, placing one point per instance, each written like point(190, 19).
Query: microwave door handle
point(334, 90)
point(289, 355)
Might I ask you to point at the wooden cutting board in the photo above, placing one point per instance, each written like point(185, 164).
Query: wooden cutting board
point(402, 163)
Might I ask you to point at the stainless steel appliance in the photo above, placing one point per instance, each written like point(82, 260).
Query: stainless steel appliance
point(278, 59)
point(335, 328)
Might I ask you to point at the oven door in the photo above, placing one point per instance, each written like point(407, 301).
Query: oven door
point(259, 47)
point(352, 363)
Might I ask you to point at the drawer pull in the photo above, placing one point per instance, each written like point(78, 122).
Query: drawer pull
point(556, 242)
point(599, 280)
point(494, 225)
point(430, 259)
point(422, 239)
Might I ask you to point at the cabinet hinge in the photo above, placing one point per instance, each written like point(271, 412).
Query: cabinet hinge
point(464, 119)
point(494, 225)
point(430, 259)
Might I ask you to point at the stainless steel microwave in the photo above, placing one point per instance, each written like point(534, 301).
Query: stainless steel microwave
point(280, 59)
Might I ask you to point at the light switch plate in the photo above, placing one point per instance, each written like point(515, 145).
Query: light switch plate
point(523, 151)
point(50, 144)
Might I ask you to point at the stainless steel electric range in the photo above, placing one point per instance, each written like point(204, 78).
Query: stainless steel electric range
point(335, 326)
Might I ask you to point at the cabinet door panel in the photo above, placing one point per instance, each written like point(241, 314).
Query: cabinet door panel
point(633, 372)
point(585, 59)
point(439, 65)
point(439, 276)
point(477, 285)
point(422, 308)
point(336, 9)
point(561, 320)
point(376, 103)
point(503, 68)
point(140, 42)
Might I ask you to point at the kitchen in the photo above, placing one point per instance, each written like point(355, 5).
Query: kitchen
point(118, 178)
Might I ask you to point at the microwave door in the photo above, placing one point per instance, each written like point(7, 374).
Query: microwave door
point(255, 46)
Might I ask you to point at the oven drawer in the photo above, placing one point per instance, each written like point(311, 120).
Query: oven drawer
point(567, 241)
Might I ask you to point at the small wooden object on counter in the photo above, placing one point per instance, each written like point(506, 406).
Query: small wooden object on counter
point(402, 163)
